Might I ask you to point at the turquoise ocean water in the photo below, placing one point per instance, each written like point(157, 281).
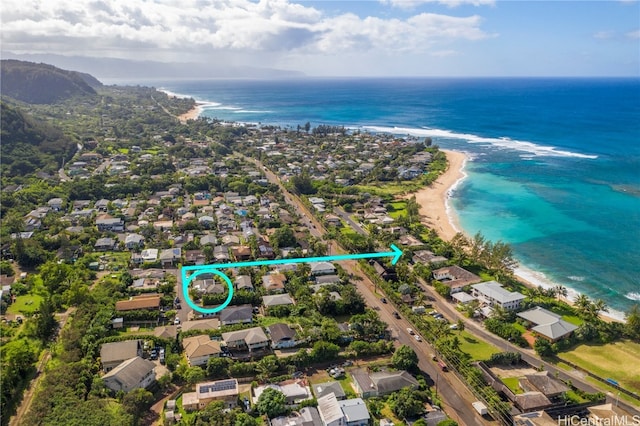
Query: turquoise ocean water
point(554, 164)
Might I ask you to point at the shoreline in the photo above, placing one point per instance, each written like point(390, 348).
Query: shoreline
point(433, 200)
point(192, 114)
point(437, 214)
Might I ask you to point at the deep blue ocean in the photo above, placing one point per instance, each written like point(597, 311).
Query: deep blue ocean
point(554, 164)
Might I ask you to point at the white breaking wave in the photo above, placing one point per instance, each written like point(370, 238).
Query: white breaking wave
point(174, 94)
point(249, 111)
point(539, 278)
point(576, 278)
point(507, 143)
point(632, 296)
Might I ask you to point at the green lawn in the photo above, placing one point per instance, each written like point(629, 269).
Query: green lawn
point(478, 349)
point(608, 388)
point(512, 383)
point(567, 315)
point(520, 327)
point(25, 304)
point(388, 414)
point(399, 209)
point(619, 361)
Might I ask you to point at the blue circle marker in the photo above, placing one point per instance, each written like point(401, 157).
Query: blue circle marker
point(185, 291)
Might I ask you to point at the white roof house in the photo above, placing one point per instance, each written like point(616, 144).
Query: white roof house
point(492, 293)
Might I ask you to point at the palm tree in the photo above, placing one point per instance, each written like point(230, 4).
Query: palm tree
point(601, 306)
point(582, 303)
point(560, 291)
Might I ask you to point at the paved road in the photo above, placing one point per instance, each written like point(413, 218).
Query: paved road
point(528, 355)
point(347, 218)
point(455, 395)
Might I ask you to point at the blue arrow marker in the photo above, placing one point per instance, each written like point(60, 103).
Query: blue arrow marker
point(215, 269)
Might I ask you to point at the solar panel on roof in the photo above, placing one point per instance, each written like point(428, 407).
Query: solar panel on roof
point(218, 386)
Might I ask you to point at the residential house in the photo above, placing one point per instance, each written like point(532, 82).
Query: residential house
point(547, 324)
point(276, 300)
point(610, 414)
point(381, 383)
point(295, 391)
point(350, 412)
point(133, 241)
point(545, 383)
point(170, 257)
point(241, 314)
point(194, 257)
point(108, 223)
point(199, 349)
point(241, 253)
point(282, 336)
point(221, 254)
point(168, 332)
point(203, 324)
point(225, 390)
point(455, 277)
point(492, 294)
point(250, 339)
point(208, 239)
point(131, 374)
point(427, 257)
point(274, 282)
point(307, 416)
point(105, 244)
point(243, 282)
point(531, 401)
point(55, 204)
point(114, 353)
point(140, 302)
point(101, 205)
point(322, 268)
point(326, 388)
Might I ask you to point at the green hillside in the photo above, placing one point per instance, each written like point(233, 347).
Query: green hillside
point(43, 84)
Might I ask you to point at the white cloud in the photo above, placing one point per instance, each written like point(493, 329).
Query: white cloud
point(603, 35)
point(634, 34)
point(131, 28)
point(412, 4)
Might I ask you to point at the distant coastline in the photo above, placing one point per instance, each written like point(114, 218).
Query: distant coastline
point(192, 114)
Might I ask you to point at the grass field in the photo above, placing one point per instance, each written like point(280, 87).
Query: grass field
point(619, 361)
point(399, 209)
point(25, 304)
point(512, 383)
point(478, 349)
point(568, 315)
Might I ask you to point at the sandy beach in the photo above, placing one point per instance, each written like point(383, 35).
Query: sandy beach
point(433, 199)
point(433, 209)
point(192, 114)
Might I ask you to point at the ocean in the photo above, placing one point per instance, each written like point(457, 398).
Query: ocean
point(554, 165)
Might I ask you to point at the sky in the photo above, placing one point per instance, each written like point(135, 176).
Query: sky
point(340, 38)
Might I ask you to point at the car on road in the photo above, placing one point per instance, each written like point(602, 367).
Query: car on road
point(396, 314)
point(418, 338)
point(383, 300)
point(176, 321)
point(410, 331)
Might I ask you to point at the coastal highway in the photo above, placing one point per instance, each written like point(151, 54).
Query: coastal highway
point(528, 355)
point(455, 395)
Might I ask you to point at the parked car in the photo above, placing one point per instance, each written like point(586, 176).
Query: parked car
point(410, 331)
point(396, 314)
point(383, 300)
point(418, 338)
point(176, 321)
